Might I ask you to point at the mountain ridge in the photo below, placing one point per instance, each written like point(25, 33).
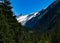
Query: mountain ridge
point(31, 19)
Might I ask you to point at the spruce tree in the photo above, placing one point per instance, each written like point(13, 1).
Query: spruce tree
point(10, 30)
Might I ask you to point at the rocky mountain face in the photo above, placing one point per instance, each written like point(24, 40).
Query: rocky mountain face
point(31, 19)
point(46, 25)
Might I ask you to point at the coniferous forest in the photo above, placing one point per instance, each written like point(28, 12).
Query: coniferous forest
point(12, 32)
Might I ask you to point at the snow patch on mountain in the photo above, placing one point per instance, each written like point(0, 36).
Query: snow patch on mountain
point(24, 18)
point(33, 15)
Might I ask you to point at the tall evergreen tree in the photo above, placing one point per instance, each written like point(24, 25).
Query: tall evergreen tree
point(10, 30)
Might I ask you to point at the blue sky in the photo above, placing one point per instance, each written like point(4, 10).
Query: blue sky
point(29, 6)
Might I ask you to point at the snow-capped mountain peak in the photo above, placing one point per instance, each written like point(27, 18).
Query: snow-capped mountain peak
point(24, 18)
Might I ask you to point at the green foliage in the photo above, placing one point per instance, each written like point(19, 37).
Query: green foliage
point(9, 28)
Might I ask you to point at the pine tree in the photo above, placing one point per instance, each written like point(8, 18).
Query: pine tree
point(10, 29)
